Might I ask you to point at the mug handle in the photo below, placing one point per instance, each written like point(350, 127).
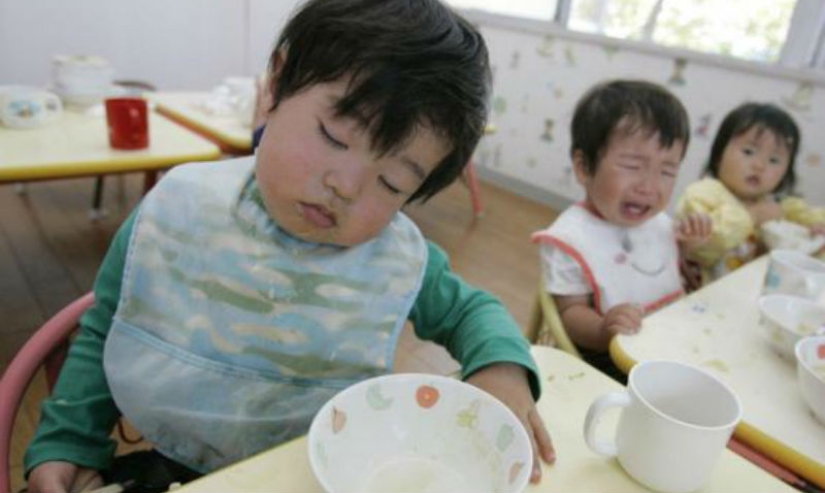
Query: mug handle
point(593, 418)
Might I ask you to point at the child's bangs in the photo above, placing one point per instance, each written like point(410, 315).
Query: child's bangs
point(648, 123)
point(784, 137)
point(379, 104)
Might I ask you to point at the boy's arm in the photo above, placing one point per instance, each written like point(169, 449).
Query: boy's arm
point(472, 324)
point(587, 328)
point(77, 419)
point(479, 332)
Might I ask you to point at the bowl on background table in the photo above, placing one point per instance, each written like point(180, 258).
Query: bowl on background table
point(787, 319)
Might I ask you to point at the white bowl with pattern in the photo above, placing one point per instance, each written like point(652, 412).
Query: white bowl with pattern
point(418, 432)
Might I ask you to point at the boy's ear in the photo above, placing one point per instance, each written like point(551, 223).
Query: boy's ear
point(277, 66)
point(579, 168)
point(265, 90)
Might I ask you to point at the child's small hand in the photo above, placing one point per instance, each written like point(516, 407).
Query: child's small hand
point(623, 319)
point(765, 210)
point(508, 382)
point(60, 476)
point(694, 230)
point(817, 229)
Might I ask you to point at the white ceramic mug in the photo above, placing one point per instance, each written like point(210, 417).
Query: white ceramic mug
point(792, 272)
point(28, 107)
point(676, 420)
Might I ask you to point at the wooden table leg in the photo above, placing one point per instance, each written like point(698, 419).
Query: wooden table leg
point(149, 180)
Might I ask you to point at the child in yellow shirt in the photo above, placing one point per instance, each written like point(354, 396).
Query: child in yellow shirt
point(751, 164)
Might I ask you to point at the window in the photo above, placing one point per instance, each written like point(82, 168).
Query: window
point(533, 9)
point(749, 29)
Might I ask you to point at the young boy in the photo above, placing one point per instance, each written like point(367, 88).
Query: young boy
point(614, 257)
point(242, 295)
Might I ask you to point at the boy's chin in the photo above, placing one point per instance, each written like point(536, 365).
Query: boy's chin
point(633, 221)
point(330, 237)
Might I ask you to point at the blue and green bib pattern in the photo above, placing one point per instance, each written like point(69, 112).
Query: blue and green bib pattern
point(230, 333)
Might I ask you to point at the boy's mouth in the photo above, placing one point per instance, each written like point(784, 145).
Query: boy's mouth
point(318, 215)
point(634, 211)
point(753, 180)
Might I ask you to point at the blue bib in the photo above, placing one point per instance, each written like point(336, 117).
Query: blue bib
point(230, 334)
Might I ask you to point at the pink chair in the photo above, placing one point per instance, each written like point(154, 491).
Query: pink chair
point(48, 348)
point(471, 179)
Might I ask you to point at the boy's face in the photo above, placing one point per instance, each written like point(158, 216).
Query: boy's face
point(321, 181)
point(753, 163)
point(634, 178)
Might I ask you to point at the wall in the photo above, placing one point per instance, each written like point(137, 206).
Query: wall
point(180, 45)
point(540, 71)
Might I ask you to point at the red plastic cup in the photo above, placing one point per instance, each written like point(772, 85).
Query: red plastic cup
point(128, 122)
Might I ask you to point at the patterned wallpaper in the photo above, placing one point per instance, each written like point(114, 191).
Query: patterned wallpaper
point(538, 79)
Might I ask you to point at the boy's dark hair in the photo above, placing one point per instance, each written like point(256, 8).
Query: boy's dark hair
point(638, 104)
point(413, 62)
point(765, 116)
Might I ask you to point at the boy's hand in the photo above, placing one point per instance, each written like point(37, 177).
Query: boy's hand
point(694, 230)
point(623, 319)
point(508, 383)
point(62, 477)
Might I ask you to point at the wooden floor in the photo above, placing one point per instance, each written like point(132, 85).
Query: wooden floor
point(50, 252)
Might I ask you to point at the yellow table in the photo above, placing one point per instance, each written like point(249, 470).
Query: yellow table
point(186, 107)
point(78, 145)
point(569, 387)
point(717, 328)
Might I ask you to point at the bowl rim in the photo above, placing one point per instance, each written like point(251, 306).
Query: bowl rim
point(430, 377)
point(798, 349)
point(767, 298)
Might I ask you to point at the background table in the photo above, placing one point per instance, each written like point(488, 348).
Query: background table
point(78, 145)
point(187, 108)
point(569, 386)
point(718, 328)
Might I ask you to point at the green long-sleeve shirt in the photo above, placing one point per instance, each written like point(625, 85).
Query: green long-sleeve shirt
point(77, 419)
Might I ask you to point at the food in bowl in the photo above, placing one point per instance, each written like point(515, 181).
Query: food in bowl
point(810, 373)
point(787, 235)
point(418, 432)
point(787, 319)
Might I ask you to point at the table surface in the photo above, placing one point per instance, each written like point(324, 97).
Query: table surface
point(187, 107)
point(718, 328)
point(569, 386)
point(77, 144)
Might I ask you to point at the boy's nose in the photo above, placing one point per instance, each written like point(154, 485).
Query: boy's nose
point(648, 184)
point(346, 180)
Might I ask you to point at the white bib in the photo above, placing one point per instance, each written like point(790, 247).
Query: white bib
point(622, 265)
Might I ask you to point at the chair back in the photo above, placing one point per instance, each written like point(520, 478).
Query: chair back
point(48, 348)
point(546, 325)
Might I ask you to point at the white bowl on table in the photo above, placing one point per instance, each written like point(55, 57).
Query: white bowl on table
point(418, 432)
point(810, 372)
point(787, 319)
point(787, 235)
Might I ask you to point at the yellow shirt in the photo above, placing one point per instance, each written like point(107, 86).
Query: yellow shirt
point(735, 239)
